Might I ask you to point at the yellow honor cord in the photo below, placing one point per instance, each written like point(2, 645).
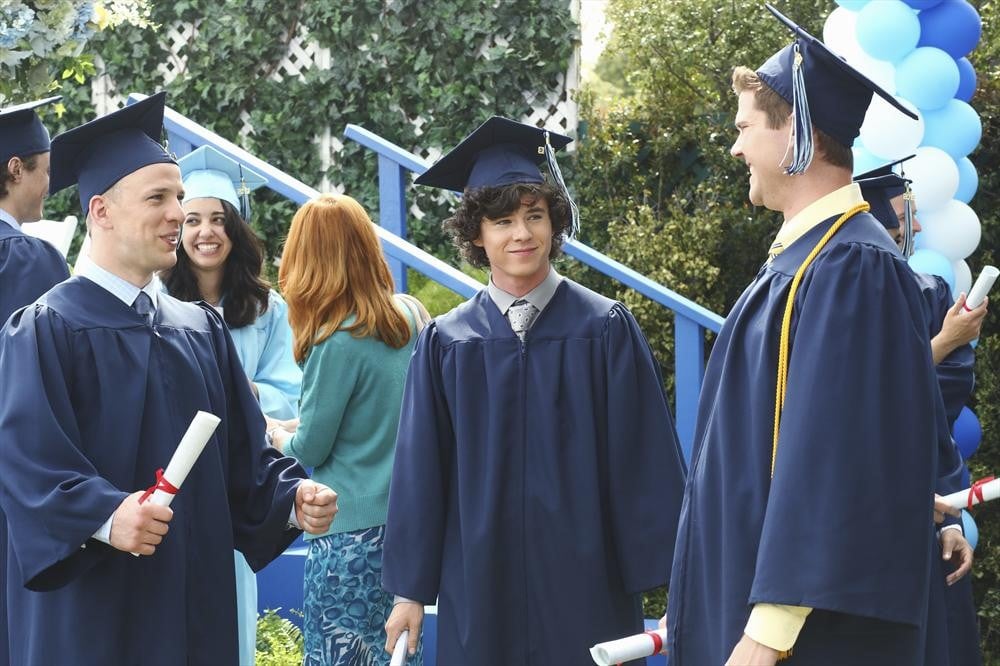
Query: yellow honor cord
point(786, 323)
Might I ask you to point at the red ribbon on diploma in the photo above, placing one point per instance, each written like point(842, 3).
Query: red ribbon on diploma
point(167, 487)
point(657, 641)
point(976, 491)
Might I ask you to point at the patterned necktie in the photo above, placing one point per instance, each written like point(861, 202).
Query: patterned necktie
point(776, 248)
point(520, 314)
point(143, 305)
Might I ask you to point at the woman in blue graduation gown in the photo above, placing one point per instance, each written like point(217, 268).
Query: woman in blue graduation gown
point(220, 261)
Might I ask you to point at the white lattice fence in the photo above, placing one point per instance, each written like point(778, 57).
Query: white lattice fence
point(554, 110)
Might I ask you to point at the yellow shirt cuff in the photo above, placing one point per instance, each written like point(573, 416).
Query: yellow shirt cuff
point(775, 625)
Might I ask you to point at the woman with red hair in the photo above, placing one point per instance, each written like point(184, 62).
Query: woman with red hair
point(354, 338)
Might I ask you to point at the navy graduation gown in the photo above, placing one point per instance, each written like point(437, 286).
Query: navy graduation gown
point(536, 486)
point(845, 526)
point(102, 401)
point(953, 609)
point(28, 268)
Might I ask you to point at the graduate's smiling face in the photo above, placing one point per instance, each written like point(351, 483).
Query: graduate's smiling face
point(204, 239)
point(136, 224)
point(763, 149)
point(518, 245)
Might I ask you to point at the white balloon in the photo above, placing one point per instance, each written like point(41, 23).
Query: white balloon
point(881, 72)
point(889, 134)
point(935, 179)
point(963, 277)
point(952, 229)
point(839, 31)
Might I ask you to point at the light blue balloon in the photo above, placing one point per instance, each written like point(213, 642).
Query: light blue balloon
point(968, 180)
point(928, 77)
point(955, 128)
point(887, 29)
point(966, 80)
point(953, 26)
point(865, 160)
point(852, 5)
point(932, 263)
point(970, 529)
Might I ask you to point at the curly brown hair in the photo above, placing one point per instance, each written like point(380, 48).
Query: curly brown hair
point(464, 226)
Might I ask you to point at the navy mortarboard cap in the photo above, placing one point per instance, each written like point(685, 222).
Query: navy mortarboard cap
point(98, 154)
point(879, 187)
point(22, 133)
point(879, 191)
point(822, 88)
point(209, 173)
point(500, 152)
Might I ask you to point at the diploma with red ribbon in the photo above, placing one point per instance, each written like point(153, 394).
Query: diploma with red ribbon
point(981, 491)
point(192, 444)
point(626, 649)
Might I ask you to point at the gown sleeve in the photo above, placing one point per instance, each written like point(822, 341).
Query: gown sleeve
point(645, 465)
point(29, 267)
point(52, 495)
point(848, 521)
point(262, 482)
point(278, 377)
point(418, 493)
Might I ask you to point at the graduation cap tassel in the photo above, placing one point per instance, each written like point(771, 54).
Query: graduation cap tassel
point(803, 150)
point(244, 194)
point(550, 158)
point(907, 248)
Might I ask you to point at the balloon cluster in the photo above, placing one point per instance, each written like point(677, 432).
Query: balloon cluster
point(917, 50)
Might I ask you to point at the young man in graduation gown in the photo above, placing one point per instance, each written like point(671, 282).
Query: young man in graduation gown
point(952, 611)
point(28, 266)
point(110, 373)
point(537, 473)
point(806, 527)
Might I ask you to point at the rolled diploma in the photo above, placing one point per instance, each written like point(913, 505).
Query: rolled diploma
point(982, 287)
point(960, 500)
point(399, 652)
point(191, 446)
point(626, 649)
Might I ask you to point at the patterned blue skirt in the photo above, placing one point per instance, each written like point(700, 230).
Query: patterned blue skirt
point(345, 605)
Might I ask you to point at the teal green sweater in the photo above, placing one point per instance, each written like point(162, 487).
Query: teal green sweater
point(352, 389)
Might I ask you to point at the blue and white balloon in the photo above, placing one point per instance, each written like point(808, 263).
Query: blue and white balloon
point(953, 26)
point(933, 263)
point(966, 80)
point(887, 29)
point(954, 128)
point(888, 134)
point(963, 278)
point(970, 529)
point(928, 77)
point(952, 230)
point(968, 180)
point(935, 177)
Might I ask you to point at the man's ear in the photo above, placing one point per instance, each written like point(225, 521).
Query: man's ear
point(98, 213)
point(15, 167)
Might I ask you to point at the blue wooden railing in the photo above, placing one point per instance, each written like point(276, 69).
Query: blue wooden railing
point(394, 164)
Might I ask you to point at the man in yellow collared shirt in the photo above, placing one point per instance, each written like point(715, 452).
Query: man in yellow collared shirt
point(803, 534)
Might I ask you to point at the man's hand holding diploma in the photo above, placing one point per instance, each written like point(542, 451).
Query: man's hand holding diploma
point(139, 528)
